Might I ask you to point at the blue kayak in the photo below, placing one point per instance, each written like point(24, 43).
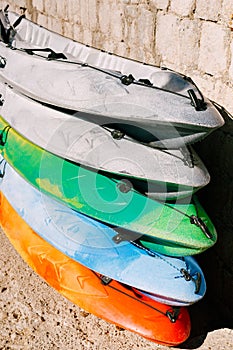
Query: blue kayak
point(174, 281)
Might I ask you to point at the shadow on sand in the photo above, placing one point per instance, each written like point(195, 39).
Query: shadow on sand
point(215, 311)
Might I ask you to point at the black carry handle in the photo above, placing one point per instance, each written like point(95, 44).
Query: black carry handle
point(17, 22)
point(2, 168)
point(8, 34)
point(199, 104)
point(3, 33)
point(200, 223)
point(52, 56)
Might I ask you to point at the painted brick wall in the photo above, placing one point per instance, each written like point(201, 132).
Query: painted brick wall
point(191, 36)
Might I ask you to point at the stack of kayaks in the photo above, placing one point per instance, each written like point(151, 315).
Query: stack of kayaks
point(98, 178)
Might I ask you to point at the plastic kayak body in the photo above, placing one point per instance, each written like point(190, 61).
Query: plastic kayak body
point(113, 302)
point(161, 174)
point(150, 104)
point(91, 243)
point(104, 198)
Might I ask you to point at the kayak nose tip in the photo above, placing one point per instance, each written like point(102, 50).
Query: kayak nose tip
point(215, 119)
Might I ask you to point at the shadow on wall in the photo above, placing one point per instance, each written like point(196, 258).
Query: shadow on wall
point(215, 311)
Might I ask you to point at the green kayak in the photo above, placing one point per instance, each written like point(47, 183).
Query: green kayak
point(173, 229)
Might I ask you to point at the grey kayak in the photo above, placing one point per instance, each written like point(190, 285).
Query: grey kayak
point(160, 174)
point(152, 105)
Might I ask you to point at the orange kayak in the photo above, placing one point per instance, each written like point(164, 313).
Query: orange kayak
point(109, 300)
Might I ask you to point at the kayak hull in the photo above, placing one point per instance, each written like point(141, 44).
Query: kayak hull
point(168, 174)
point(106, 199)
point(162, 114)
point(92, 244)
point(114, 303)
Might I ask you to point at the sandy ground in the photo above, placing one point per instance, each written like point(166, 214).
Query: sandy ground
point(34, 316)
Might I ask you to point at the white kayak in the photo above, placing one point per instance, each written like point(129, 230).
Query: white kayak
point(160, 174)
point(151, 105)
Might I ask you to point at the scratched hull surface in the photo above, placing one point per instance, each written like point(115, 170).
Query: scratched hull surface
point(102, 198)
point(113, 302)
point(168, 174)
point(164, 117)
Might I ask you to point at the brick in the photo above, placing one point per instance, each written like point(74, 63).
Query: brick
point(213, 48)
point(84, 15)
point(181, 7)
point(208, 10)
point(137, 53)
point(189, 35)
point(92, 13)
point(78, 33)
point(131, 30)
point(42, 20)
point(205, 83)
point(122, 49)
point(177, 41)
point(160, 4)
point(74, 11)
point(68, 30)
point(231, 65)
point(62, 10)
point(139, 27)
point(226, 11)
point(109, 45)
point(38, 4)
point(117, 25)
point(55, 24)
point(97, 39)
point(223, 95)
point(167, 37)
point(131, 12)
point(87, 37)
point(215, 89)
point(50, 8)
point(146, 29)
point(104, 16)
point(22, 3)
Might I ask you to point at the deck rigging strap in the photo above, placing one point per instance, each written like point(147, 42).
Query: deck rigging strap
point(51, 56)
point(4, 134)
point(187, 159)
point(9, 34)
point(157, 255)
point(184, 273)
point(171, 313)
point(125, 79)
point(3, 165)
point(194, 219)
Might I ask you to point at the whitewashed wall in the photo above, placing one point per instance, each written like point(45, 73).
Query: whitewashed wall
point(194, 37)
